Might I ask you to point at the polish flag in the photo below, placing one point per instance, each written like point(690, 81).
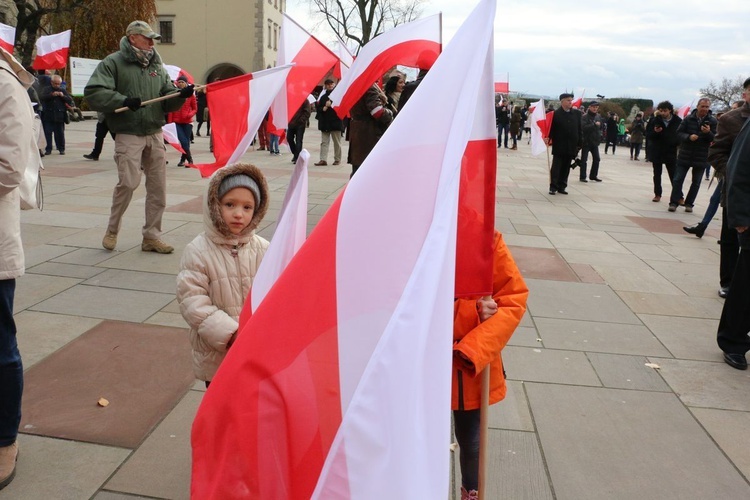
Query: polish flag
point(346, 59)
point(169, 131)
point(416, 44)
point(290, 234)
point(577, 103)
point(312, 61)
point(502, 87)
point(539, 128)
point(175, 72)
point(238, 106)
point(339, 385)
point(7, 37)
point(683, 111)
point(52, 51)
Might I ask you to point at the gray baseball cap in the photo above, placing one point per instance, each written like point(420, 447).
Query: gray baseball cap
point(141, 28)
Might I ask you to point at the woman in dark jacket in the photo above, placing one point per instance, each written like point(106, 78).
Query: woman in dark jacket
point(611, 133)
point(393, 88)
point(637, 131)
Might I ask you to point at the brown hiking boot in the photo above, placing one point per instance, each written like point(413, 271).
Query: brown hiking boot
point(110, 241)
point(321, 163)
point(8, 459)
point(157, 246)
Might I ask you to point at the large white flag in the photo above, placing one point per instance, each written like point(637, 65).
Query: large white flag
point(7, 37)
point(538, 119)
point(339, 385)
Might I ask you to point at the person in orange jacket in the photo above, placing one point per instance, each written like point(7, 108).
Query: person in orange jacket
point(481, 329)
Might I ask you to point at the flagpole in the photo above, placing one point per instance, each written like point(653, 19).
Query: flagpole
point(549, 166)
point(484, 419)
point(158, 99)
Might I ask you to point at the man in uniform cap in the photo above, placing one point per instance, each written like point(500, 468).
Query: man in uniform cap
point(566, 138)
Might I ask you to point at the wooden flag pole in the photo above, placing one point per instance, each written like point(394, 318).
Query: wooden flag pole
point(484, 432)
point(549, 166)
point(158, 99)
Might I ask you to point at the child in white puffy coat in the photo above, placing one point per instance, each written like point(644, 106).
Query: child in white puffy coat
point(218, 267)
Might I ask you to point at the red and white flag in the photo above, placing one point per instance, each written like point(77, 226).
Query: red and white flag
point(416, 44)
point(175, 72)
point(290, 234)
point(311, 60)
point(339, 385)
point(169, 131)
point(539, 128)
point(578, 102)
point(7, 37)
point(683, 111)
point(238, 106)
point(52, 51)
point(346, 59)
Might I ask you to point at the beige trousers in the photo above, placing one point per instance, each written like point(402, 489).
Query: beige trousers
point(326, 140)
point(136, 155)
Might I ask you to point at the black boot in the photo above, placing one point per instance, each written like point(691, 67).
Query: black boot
point(697, 230)
point(182, 161)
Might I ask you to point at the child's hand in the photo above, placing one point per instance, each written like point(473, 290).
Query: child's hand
point(486, 307)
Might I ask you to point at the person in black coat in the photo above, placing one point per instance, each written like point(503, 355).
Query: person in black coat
point(295, 131)
point(502, 119)
point(661, 133)
point(329, 124)
point(732, 335)
point(55, 100)
point(591, 126)
point(566, 138)
point(696, 133)
point(611, 133)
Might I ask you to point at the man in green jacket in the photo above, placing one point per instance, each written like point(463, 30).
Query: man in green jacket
point(126, 78)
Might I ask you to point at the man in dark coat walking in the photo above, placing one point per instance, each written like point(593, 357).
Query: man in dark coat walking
point(295, 132)
point(696, 133)
point(566, 138)
point(55, 100)
point(329, 124)
point(591, 126)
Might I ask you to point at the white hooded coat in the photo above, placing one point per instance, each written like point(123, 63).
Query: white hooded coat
point(216, 273)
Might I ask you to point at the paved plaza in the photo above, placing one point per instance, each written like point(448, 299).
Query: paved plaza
point(617, 389)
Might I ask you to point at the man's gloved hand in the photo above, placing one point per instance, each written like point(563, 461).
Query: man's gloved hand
point(187, 91)
point(134, 103)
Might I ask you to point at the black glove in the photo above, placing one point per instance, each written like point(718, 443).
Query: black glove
point(187, 91)
point(134, 103)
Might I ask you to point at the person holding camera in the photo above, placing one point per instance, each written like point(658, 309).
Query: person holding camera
point(696, 133)
point(591, 126)
point(55, 102)
point(661, 135)
point(566, 138)
point(126, 78)
point(329, 124)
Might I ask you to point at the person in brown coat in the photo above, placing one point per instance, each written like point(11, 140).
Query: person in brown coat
point(370, 118)
point(515, 126)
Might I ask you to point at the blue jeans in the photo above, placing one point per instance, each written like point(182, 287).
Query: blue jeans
point(184, 131)
point(466, 425)
point(11, 369)
point(713, 203)
point(679, 178)
point(273, 140)
point(502, 133)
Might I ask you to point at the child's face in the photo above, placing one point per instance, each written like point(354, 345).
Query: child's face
point(237, 209)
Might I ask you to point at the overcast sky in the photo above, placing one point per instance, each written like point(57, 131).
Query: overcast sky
point(652, 49)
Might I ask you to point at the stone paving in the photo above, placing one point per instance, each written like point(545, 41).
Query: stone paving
point(616, 387)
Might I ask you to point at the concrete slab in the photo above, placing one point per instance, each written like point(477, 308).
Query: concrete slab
point(546, 365)
point(542, 263)
point(135, 280)
point(626, 372)
point(34, 288)
point(67, 270)
point(42, 253)
point(610, 443)
point(150, 262)
point(728, 429)
point(34, 235)
point(595, 336)
point(41, 334)
point(85, 256)
point(594, 258)
point(636, 280)
point(581, 239)
point(143, 371)
point(161, 466)
point(685, 338)
point(707, 385)
point(96, 302)
point(61, 469)
point(512, 413)
point(582, 301)
point(672, 305)
point(517, 467)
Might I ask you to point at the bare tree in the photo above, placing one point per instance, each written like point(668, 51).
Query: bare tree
point(362, 20)
point(725, 92)
point(31, 19)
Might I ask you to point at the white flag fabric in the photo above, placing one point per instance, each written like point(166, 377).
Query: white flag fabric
point(52, 51)
point(345, 394)
point(416, 44)
point(537, 139)
point(7, 37)
point(169, 131)
point(346, 59)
